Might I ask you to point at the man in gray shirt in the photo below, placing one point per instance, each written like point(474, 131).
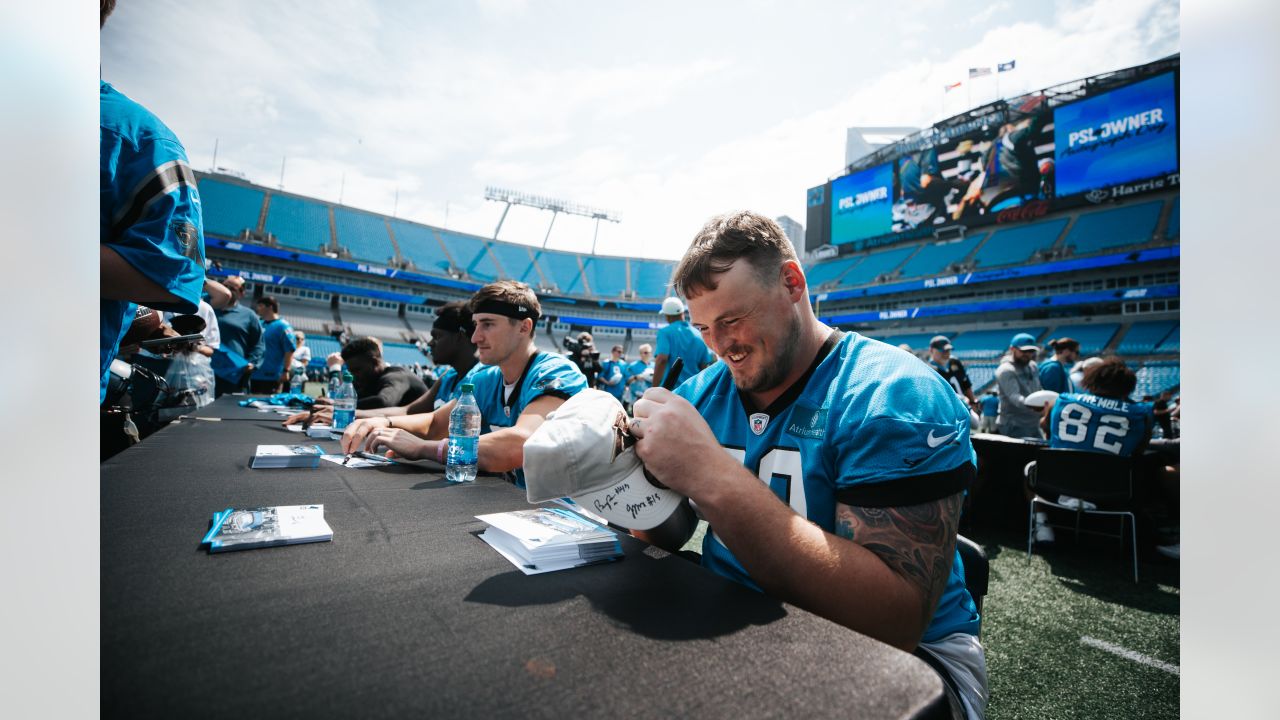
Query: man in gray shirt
point(1016, 378)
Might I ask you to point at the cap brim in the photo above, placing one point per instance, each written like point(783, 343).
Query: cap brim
point(1029, 348)
point(633, 502)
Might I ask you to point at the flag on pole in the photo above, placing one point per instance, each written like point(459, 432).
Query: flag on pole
point(952, 86)
point(1005, 67)
point(979, 72)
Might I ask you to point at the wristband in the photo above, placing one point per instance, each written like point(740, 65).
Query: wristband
point(440, 445)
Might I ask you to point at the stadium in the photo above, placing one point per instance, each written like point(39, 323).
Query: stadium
point(1053, 213)
point(1098, 265)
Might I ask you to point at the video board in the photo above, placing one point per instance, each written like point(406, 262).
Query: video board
point(1019, 162)
point(1121, 136)
point(966, 178)
point(861, 205)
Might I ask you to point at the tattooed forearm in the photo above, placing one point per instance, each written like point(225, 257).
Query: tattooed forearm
point(918, 541)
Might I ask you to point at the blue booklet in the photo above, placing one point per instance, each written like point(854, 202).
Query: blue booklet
point(286, 456)
point(243, 529)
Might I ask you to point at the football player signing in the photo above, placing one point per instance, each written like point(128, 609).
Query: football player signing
point(515, 393)
point(829, 466)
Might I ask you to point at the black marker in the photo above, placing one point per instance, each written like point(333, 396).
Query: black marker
point(673, 374)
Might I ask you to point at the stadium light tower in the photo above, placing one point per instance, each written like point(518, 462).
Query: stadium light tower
point(512, 197)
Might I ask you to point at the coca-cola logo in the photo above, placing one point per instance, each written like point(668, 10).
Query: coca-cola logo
point(1030, 211)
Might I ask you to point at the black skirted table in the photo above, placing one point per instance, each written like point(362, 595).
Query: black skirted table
point(406, 613)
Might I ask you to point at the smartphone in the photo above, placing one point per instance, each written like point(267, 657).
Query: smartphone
point(160, 343)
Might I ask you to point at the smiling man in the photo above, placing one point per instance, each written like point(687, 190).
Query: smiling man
point(843, 461)
point(515, 393)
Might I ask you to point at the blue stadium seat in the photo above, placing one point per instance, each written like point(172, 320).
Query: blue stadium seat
point(607, 277)
point(1174, 227)
point(874, 264)
point(822, 273)
point(298, 223)
point(364, 234)
point(419, 244)
point(561, 269)
point(649, 278)
point(1172, 343)
point(321, 347)
point(1008, 246)
point(933, 259)
point(402, 354)
point(227, 209)
point(983, 344)
point(981, 374)
point(516, 262)
point(471, 255)
point(919, 342)
point(1118, 227)
point(1092, 337)
point(1156, 377)
point(1143, 337)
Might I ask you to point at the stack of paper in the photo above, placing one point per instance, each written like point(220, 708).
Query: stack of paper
point(286, 456)
point(234, 529)
point(544, 539)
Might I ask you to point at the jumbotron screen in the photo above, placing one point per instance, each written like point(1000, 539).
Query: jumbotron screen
point(1026, 161)
point(860, 205)
point(1120, 136)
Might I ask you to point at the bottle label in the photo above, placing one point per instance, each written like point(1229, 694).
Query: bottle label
point(463, 450)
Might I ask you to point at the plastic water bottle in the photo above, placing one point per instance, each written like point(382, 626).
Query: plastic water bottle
point(344, 403)
point(335, 382)
point(464, 438)
point(295, 380)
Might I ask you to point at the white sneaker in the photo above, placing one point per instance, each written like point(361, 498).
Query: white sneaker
point(1170, 551)
point(1069, 502)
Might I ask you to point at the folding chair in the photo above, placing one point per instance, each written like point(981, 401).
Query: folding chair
point(1102, 479)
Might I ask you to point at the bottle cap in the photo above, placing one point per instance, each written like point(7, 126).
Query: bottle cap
point(467, 387)
point(347, 376)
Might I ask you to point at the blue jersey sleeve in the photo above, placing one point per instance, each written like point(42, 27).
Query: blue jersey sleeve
point(1053, 376)
point(154, 220)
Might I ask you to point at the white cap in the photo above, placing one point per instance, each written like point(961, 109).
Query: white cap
point(672, 306)
point(583, 451)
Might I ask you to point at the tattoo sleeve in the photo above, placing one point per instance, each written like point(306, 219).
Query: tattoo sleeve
point(918, 542)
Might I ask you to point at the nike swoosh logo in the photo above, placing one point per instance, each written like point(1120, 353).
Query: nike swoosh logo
point(936, 441)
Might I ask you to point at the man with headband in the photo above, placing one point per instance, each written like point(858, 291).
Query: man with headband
point(451, 348)
point(515, 394)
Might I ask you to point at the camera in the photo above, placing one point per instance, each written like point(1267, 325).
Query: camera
point(584, 354)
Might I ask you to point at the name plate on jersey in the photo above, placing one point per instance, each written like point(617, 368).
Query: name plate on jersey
point(809, 423)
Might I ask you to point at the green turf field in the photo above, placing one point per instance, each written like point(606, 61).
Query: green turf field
point(1038, 613)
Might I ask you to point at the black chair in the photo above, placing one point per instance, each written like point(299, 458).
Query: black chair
point(977, 569)
point(1104, 480)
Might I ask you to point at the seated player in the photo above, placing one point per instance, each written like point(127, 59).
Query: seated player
point(1103, 420)
point(515, 393)
point(451, 347)
point(830, 467)
point(378, 384)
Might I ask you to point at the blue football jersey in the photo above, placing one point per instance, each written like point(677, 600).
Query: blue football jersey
point(149, 214)
point(679, 339)
point(614, 370)
point(277, 339)
point(1080, 421)
point(450, 386)
point(868, 425)
point(1054, 376)
point(640, 385)
point(546, 374)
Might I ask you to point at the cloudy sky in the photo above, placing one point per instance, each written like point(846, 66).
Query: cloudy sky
point(664, 112)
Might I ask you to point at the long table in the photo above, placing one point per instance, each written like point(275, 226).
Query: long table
point(406, 613)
